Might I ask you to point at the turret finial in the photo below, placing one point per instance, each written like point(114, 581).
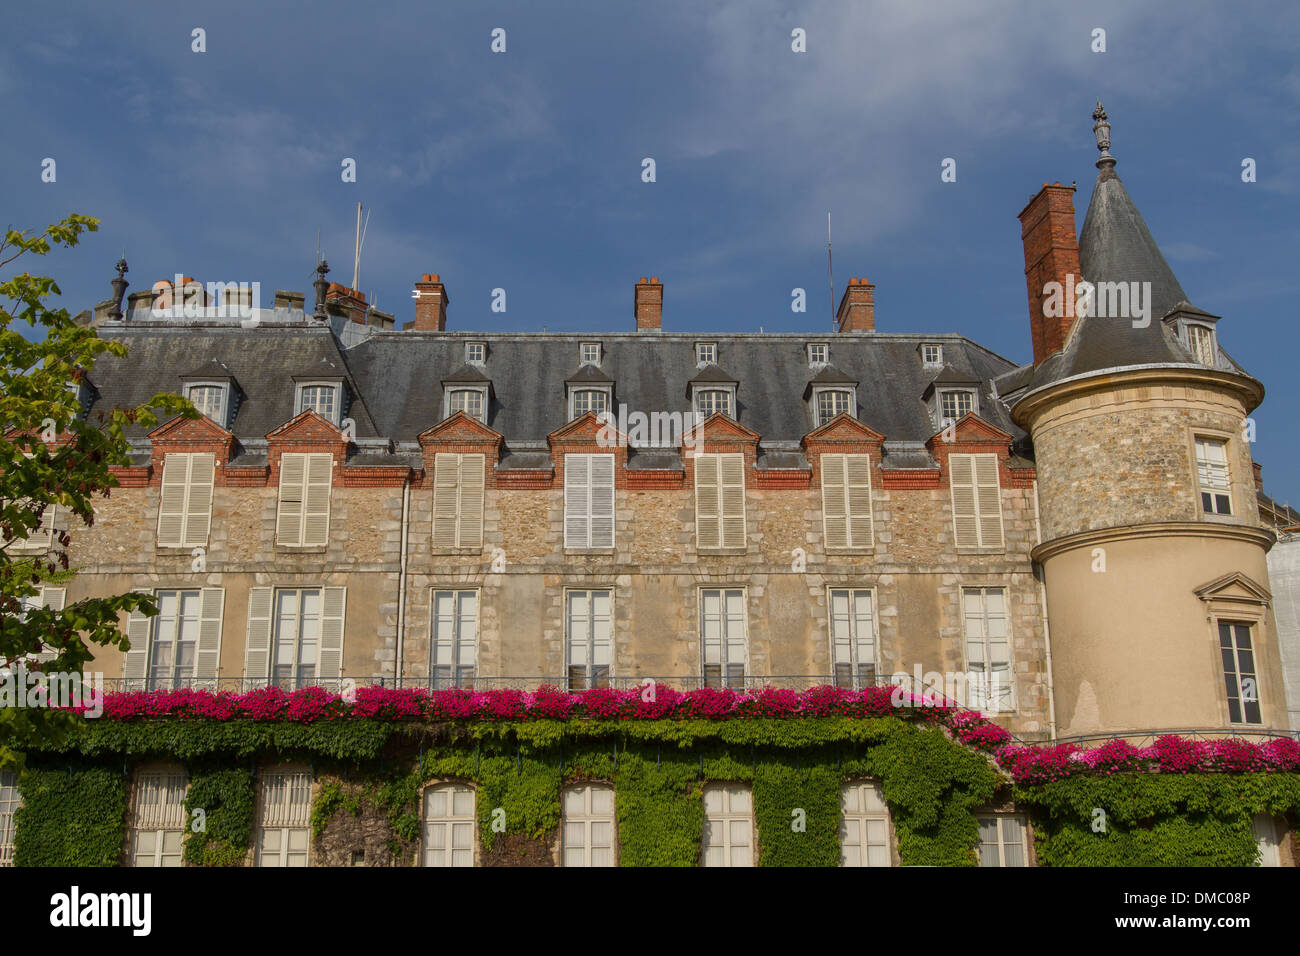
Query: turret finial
point(1101, 129)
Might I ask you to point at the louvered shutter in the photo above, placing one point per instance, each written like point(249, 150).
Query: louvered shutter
point(965, 521)
point(732, 473)
point(470, 525)
point(446, 501)
point(601, 506)
point(257, 652)
point(53, 599)
point(198, 499)
point(989, 495)
point(207, 656)
point(577, 501)
point(708, 503)
point(316, 500)
point(333, 607)
point(136, 660)
point(835, 501)
point(171, 504)
point(288, 522)
point(857, 473)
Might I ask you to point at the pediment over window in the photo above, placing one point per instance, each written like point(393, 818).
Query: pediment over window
point(306, 426)
point(970, 429)
point(459, 428)
point(1234, 587)
point(586, 429)
point(181, 430)
point(844, 428)
point(720, 428)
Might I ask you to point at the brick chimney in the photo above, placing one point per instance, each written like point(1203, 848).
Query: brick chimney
point(1051, 253)
point(431, 304)
point(340, 300)
point(857, 311)
point(649, 305)
point(167, 293)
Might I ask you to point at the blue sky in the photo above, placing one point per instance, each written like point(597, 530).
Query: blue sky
point(522, 170)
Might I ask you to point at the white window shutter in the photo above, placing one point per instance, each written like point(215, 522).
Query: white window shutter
point(171, 504)
point(136, 660)
point(446, 501)
point(602, 501)
point(834, 501)
point(470, 527)
point(316, 499)
point(333, 608)
point(207, 656)
point(708, 503)
point(857, 474)
point(288, 521)
point(257, 652)
point(577, 501)
point(965, 520)
point(198, 499)
point(53, 599)
point(732, 474)
point(989, 493)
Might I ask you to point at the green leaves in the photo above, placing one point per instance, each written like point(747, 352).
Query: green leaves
point(54, 464)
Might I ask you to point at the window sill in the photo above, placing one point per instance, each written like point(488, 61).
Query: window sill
point(721, 552)
point(180, 550)
point(457, 552)
point(301, 548)
point(1213, 518)
point(850, 552)
point(608, 551)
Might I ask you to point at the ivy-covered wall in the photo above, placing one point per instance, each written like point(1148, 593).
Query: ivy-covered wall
point(1177, 803)
point(370, 773)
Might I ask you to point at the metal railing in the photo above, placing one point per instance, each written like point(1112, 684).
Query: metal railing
point(1148, 737)
point(748, 683)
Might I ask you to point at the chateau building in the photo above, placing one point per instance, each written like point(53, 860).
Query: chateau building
point(1076, 541)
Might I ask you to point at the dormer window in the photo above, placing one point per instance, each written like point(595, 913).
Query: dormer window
point(1200, 339)
point(710, 401)
point(706, 353)
point(584, 400)
point(475, 353)
point(830, 402)
point(819, 353)
point(211, 400)
point(471, 401)
point(320, 397)
point(931, 354)
point(954, 403)
point(589, 353)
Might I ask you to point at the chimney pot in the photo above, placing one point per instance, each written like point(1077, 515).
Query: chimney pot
point(341, 300)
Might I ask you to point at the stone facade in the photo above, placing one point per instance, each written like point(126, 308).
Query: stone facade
point(655, 572)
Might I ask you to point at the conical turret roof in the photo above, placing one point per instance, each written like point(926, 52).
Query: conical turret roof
point(1116, 246)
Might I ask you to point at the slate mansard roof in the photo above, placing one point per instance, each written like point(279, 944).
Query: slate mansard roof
point(394, 379)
